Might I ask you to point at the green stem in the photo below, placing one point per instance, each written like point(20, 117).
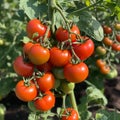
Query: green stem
point(64, 98)
point(73, 102)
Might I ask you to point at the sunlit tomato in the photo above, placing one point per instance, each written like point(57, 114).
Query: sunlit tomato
point(46, 67)
point(70, 114)
point(59, 57)
point(76, 72)
point(27, 47)
point(107, 41)
point(35, 26)
point(84, 50)
point(112, 74)
point(22, 68)
point(46, 82)
point(100, 50)
point(117, 26)
point(63, 34)
point(105, 69)
point(100, 63)
point(38, 54)
point(26, 92)
point(107, 29)
point(116, 46)
point(118, 37)
point(58, 72)
point(46, 102)
point(67, 87)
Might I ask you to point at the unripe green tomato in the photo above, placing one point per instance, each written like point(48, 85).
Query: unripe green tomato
point(32, 107)
point(67, 87)
point(112, 74)
point(101, 50)
point(58, 72)
point(117, 26)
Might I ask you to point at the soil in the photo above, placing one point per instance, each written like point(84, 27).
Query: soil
point(17, 108)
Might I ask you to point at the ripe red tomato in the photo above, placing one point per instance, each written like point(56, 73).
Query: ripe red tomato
point(118, 37)
point(107, 29)
point(84, 50)
point(22, 68)
point(46, 82)
point(100, 63)
point(107, 41)
point(70, 114)
point(27, 47)
point(105, 69)
point(35, 26)
point(63, 34)
point(116, 46)
point(46, 102)
point(59, 57)
point(26, 92)
point(76, 72)
point(38, 54)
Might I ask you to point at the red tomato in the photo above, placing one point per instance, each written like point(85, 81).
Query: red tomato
point(22, 68)
point(59, 57)
point(46, 102)
point(38, 54)
point(27, 47)
point(107, 41)
point(24, 92)
point(105, 69)
point(100, 63)
point(84, 50)
point(118, 37)
point(35, 26)
point(46, 82)
point(63, 35)
point(70, 114)
point(116, 46)
point(107, 29)
point(76, 72)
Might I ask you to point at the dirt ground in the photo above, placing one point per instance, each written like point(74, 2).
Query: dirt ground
point(17, 108)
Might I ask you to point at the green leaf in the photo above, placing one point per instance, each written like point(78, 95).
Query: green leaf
point(33, 116)
point(90, 26)
point(33, 8)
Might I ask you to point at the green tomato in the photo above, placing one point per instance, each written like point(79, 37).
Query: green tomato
point(67, 87)
point(100, 50)
point(32, 107)
point(112, 74)
point(58, 72)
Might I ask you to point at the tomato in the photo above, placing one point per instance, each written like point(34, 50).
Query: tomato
point(76, 72)
point(35, 26)
point(57, 83)
point(22, 68)
point(118, 37)
point(100, 50)
point(116, 46)
point(63, 34)
point(70, 114)
point(107, 29)
point(46, 82)
point(46, 102)
point(32, 107)
point(58, 72)
point(59, 57)
point(67, 87)
point(100, 63)
point(38, 54)
point(27, 47)
point(46, 67)
point(26, 92)
point(117, 26)
point(112, 74)
point(84, 50)
point(105, 69)
point(107, 41)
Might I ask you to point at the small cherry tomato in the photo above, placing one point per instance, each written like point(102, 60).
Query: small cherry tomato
point(117, 26)
point(112, 74)
point(100, 63)
point(105, 69)
point(118, 37)
point(107, 41)
point(107, 29)
point(100, 50)
point(116, 46)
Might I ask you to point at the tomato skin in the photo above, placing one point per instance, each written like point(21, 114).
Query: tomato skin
point(107, 41)
point(100, 63)
point(100, 50)
point(70, 114)
point(84, 50)
point(26, 93)
point(46, 82)
point(35, 26)
point(107, 29)
point(76, 73)
point(63, 35)
point(105, 69)
point(27, 47)
point(116, 46)
point(46, 102)
point(118, 37)
point(112, 74)
point(22, 68)
point(59, 57)
point(38, 54)
point(117, 26)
